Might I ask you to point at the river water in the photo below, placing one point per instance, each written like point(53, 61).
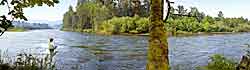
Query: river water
point(123, 52)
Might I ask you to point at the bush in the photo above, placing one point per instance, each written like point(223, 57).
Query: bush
point(219, 62)
point(107, 27)
point(125, 25)
point(142, 25)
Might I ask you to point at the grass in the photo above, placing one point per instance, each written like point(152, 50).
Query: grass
point(24, 61)
point(16, 29)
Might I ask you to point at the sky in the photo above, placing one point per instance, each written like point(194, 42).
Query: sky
point(44, 12)
point(230, 8)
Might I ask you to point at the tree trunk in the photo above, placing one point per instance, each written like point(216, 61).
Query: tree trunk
point(157, 58)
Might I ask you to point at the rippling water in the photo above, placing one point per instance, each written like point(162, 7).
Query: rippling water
point(124, 52)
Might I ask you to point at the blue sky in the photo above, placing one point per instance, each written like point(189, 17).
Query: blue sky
point(230, 8)
point(46, 13)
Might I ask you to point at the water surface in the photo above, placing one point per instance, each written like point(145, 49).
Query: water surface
point(121, 52)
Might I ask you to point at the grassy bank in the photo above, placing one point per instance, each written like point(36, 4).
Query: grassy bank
point(15, 29)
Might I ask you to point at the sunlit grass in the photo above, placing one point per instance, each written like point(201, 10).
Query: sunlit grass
point(16, 29)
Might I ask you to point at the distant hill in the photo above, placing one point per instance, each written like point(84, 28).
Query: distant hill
point(55, 24)
point(28, 25)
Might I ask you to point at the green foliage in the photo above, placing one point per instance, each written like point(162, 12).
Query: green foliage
point(181, 10)
point(220, 14)
point(92, 14)
point(184, 24)
point(67, 19)
point(196, 21)
point(24, 61)
point(142, 25)
point(219, 62)
point(125, 25)
point(113, 17)
point(88, 15)
point(190, 24)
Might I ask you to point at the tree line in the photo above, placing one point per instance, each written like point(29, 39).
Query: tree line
point(132, 16)
point(91, 13)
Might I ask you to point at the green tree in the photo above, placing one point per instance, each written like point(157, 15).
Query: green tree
point(201, 16)
point(136, 7)
point(157, 58)
point(220, 16)
point(68, 19)
point(145, 8)
point(194, 12)
point(181, 10)
point(15, 8)
point(91, 14)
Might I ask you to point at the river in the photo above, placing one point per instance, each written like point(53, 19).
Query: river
point(124, 52)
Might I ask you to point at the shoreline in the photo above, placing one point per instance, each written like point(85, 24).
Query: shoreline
point(170, 34)
point(16, 30)
point(179, 34)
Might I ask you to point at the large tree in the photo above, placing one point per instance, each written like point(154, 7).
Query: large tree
point(194, 12)
point(15, 10)
point(91, 14)
point(221, 15)
point(158, 46)
point(136, 7)
point(68, 18)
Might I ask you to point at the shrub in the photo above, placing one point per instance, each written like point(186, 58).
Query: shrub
point(26, 61)
point(125, 25)
point(219, 62)
point(142, 25)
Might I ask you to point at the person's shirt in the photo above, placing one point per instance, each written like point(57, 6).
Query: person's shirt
point(51, 45)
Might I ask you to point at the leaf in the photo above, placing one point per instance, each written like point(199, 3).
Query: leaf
point(11, 12)
point(13, 2)
point(56, 1)
point(4, 18)
point(23, 17)
point(3, 2)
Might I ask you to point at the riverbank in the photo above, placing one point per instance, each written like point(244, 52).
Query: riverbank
point(15, 29)
point(174, 34)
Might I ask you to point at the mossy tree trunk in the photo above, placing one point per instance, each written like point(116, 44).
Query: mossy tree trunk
point(157, 58)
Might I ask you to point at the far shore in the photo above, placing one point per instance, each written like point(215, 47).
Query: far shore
point(178, 34)
point(170, 34)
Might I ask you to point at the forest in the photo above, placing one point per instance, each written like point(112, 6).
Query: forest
point(132, 16)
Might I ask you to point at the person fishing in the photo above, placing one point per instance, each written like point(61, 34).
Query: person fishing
point(52, 46)
point(52, 51)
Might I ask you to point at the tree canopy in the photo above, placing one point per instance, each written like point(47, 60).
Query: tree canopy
point(119, 17)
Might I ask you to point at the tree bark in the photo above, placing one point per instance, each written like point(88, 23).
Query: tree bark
point(157, 56)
